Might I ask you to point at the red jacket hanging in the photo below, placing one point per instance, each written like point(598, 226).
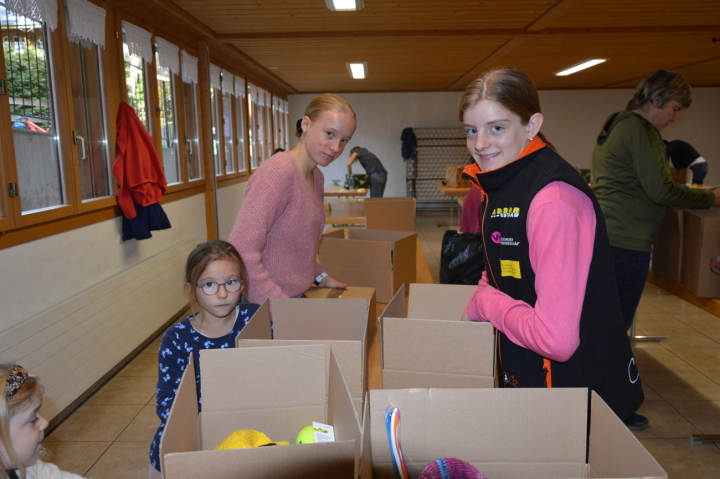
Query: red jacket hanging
point(137, 168)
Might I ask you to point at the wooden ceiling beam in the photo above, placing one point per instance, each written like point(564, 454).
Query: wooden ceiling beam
point(508, 32)
point(638, 79)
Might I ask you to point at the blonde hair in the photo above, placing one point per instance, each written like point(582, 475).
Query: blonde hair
point(206, 253)
point(662, 86)
point(325, 102)
point(511, 88)
point(29, 389)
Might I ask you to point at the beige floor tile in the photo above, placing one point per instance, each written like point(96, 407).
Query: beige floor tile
point(683, 385)
point(712, 333)
point(143, 427)
point(659, 359)
point(96, 423)
point(698, 320)
point(125, 390)
point(141, 365)
point(683, 338)
point(123, 460)
point(702, 359)
point(672, 304)
point(657, 319)
point(713, 375)
point(650, 394)
point(75, 457)
point(664, 421)
point(705, 415)
point(681, 460)
point(153, 347)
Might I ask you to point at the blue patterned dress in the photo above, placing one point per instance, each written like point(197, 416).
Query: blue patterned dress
point(178, 342)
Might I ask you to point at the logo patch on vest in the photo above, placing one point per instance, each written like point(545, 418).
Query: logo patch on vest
point(496, 237)
point(511, 212)
point(510, 268)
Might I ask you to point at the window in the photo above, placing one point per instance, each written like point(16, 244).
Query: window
point(240, 126)
point(168, 125)
point(192, 131)
point(252, 126)
point(136, 82)
point(227, 123)
point(90, 131)
point(31, 97)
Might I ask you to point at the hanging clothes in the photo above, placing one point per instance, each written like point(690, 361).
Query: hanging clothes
point(140, 176)
point(409, 144)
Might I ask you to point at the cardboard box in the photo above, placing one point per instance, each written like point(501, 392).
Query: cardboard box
point(454, 179)
point(427, 344)
point(384, 260)
point(393, 214)
point(356, 182)
point(701, 245)
point(507, 433)
point(276, 390)
point(338, 324)
point(667, 249)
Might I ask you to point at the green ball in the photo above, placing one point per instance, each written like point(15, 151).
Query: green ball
point(305, 436)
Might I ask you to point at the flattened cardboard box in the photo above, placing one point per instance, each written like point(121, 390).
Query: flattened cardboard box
point(275, 390)
point(506, 433)
point(394, 214)
point(427, 344)
point(384, 260)
point(667, 248)
point(339, 324)
point(701, 245)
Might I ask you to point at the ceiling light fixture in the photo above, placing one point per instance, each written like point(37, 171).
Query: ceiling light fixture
point(345, 5)
point(580, 66)
point(357, 70)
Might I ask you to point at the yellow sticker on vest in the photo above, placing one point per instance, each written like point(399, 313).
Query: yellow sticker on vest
point(510, 268)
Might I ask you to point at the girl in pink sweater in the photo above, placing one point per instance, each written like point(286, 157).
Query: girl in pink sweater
point(280, 223)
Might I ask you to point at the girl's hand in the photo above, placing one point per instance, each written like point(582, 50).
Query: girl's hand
point(329, 282)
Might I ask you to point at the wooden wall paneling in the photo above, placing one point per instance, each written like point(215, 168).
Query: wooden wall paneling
point(206, 135)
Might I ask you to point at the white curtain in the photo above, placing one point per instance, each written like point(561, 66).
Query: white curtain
point(253, 91)
point(239, 87)
point(261, 96)
point(139, 41)
point(228, 83)
point(215, 77)
point(168, 55)
point(86, 22)
point(41, 10)
point(189, 67)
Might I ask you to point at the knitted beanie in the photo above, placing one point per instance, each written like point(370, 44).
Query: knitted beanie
point(449, 468)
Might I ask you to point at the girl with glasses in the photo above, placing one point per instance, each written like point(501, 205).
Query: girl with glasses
point(216, 281)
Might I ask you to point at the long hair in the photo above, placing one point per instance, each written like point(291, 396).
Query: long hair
point(511, 88)
point(29, 389)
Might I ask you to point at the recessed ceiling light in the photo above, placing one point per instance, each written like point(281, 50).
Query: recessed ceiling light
point(272, 68)
point(345, 5)
point(580, 66)
point(357, 70)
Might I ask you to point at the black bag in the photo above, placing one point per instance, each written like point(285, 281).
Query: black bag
point(462, 260)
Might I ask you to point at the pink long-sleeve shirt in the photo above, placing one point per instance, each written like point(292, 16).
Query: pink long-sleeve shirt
point(561, 234)
point(278, 229)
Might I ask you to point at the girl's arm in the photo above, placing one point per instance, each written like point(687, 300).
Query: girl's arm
point(353, 157)
point(172, 361)
point(561, 232)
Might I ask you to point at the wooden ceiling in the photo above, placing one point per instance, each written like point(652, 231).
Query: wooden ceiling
point(442, 45)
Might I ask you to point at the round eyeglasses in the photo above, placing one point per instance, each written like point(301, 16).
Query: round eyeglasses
point(212, 287)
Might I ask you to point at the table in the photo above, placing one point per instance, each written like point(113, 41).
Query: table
point(345, 213)
point(335, 190)
point(453, 193)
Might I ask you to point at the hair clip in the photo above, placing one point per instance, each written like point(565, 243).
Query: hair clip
point(14, 381)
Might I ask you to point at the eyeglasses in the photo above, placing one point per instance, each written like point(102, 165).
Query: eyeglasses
point(211, 287)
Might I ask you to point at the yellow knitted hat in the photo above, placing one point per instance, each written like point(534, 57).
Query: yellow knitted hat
point(244, 438)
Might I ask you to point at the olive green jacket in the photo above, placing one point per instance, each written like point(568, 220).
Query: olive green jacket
point(633, 181)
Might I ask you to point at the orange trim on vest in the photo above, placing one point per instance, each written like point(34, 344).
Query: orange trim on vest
point(547, 366)
point(534, 145)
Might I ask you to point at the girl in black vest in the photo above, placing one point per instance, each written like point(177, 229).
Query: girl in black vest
point(549, 285)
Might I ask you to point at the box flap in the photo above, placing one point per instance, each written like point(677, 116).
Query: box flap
point(404, 261)
point(262, 378)
point(396, 214)
point(548, 425)
point(396, 308)
point(259, 325)
point(341, 411)
point(365, 465)
point(409, 379)
point(614, 449)
point(438, 301)
point(377, 235)
point(320, 319)
point(353, 253)
point(181, 426)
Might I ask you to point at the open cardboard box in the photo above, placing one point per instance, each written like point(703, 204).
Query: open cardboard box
point(427, 345)
point(701, 245)
point(668, 245)
point(394, 214)
point(506, 434)
point(338, 324)
point(384, 260)
point(275, 390)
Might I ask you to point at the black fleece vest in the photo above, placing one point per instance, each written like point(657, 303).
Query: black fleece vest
point(604, 360)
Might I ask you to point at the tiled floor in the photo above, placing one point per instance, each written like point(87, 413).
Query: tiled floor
point(109, 436)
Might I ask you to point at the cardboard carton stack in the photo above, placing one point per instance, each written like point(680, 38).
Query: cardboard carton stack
point(427, 344)
point(701, 245)
point(394, 214)
point(454, 179)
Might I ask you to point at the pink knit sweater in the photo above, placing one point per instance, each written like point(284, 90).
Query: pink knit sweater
point(278, 229)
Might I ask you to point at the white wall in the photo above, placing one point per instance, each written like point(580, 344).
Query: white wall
point(229, 200)
point(573, 119)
